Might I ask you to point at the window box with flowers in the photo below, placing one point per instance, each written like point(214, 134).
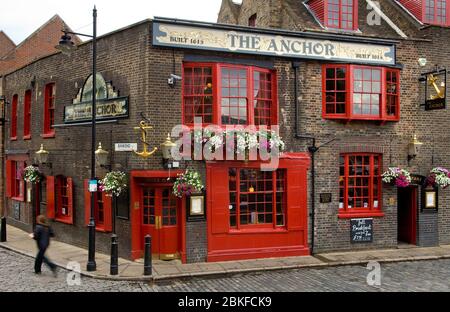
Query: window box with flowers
point(397, 177)
point(187, 183)
point(241, 143)
point(438, 177)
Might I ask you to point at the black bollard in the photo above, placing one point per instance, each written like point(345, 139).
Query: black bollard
point(3, 230)
point(114, 267)
point(148, 255)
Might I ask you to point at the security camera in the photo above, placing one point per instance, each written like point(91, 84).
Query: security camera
point(172, 79)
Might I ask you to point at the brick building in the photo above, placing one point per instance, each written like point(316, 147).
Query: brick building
point(347, 103)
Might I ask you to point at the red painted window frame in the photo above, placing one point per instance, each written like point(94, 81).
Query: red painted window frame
point(252, 20)
point(217, 88)
point(49, 110)
point(17, 184)
point(371, 211)
point(14, 105)
point(354, 16)
point(268, 226)
point(63, 183)
point(434, 21)
point(349, 80)
point(27, 115)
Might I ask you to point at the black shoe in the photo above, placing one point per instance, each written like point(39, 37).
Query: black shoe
point(37, 273)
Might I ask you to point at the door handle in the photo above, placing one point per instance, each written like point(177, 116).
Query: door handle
point(158, 224)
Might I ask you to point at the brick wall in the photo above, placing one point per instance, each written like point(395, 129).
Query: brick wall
point(196, 242)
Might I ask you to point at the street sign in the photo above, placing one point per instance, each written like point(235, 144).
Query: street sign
point(126, 147)
point(93, 186)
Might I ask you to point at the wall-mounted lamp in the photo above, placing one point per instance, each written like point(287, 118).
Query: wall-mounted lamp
point(166, 149)
point(413, 148)
point(101, 156)
point(422, 62)
point(42, 157)
point(3, 104)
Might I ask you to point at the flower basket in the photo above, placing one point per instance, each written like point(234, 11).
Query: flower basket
point(31, 174)
point(114, 183)
point(438, 177)
point(397, 177)
point(187, 184)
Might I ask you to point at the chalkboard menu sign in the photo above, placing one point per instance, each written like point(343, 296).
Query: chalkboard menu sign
point(361, 230)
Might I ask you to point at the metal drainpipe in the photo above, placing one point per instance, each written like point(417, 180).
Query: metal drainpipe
point(312, 150)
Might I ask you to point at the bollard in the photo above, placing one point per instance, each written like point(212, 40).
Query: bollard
point(114, 267)
point(148, 255)
point(3, 230)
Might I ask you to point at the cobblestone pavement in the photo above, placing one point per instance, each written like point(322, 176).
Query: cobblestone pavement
point(16, 274)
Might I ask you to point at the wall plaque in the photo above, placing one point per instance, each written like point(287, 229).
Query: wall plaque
point(325, 198)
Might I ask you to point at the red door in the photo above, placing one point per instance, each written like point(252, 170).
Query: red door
point(407, 215)
point(160, 219)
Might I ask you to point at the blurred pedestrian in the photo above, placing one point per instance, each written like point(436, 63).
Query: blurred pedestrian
point(42, 235)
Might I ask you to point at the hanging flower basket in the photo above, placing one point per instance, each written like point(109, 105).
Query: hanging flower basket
point(32, 175)
point(397, 177)
point(438, 177)
point(187, 184)
point(114, 183)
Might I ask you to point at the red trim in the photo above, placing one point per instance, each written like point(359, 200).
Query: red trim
point(27, 115)
point(50, 197)
point(360, 215)
point(135, 213)
point(8, 175)
point(49, 111)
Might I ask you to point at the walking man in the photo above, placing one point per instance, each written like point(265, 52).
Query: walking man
point(42, 235)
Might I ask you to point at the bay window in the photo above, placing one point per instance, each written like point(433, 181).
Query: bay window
point(225, 94)
point(360, 185)
point(361, 92)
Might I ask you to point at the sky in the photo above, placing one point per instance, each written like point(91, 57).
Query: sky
point(20, 18)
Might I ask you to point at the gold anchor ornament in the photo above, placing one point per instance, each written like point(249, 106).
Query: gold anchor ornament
point(432, 81)
point(145, 153)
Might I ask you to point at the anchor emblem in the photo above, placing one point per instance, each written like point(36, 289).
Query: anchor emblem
point(145, 153)
point(432, 81)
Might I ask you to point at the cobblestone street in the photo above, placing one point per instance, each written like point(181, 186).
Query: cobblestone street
point(16, 274)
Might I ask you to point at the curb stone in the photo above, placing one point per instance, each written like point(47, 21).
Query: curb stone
point(172, 277)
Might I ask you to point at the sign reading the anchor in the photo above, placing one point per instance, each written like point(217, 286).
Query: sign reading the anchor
point(435, 90)
point(145, 152)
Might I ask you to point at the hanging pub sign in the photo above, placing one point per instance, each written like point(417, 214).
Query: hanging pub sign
point(435, 89)
point(108, 105)
point(203, 36)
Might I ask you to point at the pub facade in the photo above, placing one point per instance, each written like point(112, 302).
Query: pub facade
point(339, 108)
